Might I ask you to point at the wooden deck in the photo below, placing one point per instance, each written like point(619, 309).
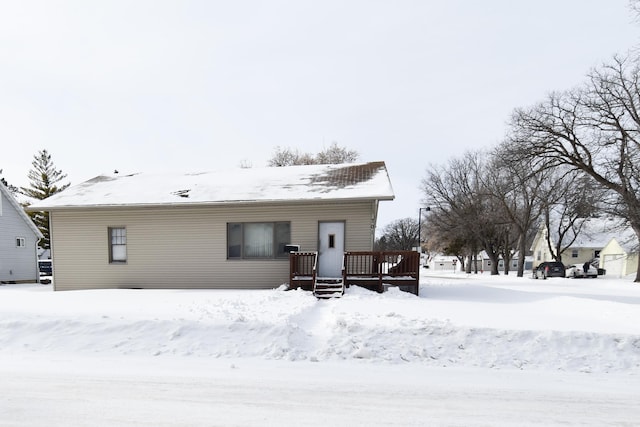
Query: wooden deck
point(376, 271)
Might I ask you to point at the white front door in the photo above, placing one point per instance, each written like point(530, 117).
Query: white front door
point(330, 249)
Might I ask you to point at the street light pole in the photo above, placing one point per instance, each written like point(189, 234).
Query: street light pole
point(420, 226)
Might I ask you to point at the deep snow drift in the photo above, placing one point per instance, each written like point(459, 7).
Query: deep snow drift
point(581, 325)
point(500, 332)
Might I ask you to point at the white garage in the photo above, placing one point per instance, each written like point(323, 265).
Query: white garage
point(620, 258)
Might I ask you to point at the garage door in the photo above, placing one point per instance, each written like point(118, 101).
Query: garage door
point(613, 264)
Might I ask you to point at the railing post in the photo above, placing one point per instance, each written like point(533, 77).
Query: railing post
point(379, 257)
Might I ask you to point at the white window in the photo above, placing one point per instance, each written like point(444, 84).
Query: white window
point(574, 253)
point(117, 245)
point(21, 242)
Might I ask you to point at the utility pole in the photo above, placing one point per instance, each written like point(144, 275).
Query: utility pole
point(427, 209)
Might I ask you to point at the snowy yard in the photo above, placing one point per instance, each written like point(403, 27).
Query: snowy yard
point(470, 350)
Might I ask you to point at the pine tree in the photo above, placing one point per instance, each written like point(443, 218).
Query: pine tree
point(43, 180)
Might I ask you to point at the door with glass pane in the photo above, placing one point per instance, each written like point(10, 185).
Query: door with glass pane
point(330, 248)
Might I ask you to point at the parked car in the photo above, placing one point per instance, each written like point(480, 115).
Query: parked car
point(577, 270)
point(45, 267)
point(549, 269)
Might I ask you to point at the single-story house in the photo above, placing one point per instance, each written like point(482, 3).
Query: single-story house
point(587, 245)
point(619, 257)
point(19, 238)
point(225, 229)
point(444, 263)
point(513, 266)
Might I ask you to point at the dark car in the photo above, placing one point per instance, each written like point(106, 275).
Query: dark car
point(45, 268)
point(549, 269)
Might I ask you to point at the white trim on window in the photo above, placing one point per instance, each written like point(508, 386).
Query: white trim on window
point(117, 245)
point(258, 240)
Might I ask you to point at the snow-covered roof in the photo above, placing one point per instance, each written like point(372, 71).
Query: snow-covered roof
point(353, 181)
point(596, 232)
point(20, 210)
point(627, 240)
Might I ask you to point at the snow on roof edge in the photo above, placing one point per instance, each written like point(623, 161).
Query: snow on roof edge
point(21, 211)
point(351, 181)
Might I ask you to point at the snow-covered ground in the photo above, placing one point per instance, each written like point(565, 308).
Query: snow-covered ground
point(470, 350)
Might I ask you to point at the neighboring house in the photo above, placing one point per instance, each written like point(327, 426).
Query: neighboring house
point(540, 248)
point(485, 261)
point(44, 253)
point(594, 235)
point(619, 257)
point(444, 263)
point(19, 238)
point(220, 230)
point(513, 266)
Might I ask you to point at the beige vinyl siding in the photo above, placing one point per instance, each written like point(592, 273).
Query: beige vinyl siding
point(186, 247)
point(617, 261)
point(584, 255)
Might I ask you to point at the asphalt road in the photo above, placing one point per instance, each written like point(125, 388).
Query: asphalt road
point(184, 392)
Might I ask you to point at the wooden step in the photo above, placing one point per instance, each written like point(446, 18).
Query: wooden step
point(329, 280)
point(328, 290)
point(327, 295)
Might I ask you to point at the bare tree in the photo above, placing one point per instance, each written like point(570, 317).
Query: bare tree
point(634, 6)
point(12, 188)
point(517, 189)
point(570, 199)
point(400, 235)
point(336, 154)
point(464, 207)
point(446, 236)
point(595, 129)
point(332, 155)
point(288, 157)
point(448, 218)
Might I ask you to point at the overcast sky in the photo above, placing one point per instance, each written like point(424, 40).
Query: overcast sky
point(206, 85)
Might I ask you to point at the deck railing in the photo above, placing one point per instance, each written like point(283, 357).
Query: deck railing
point(379, 269)
point(374, 270)
point(302, 269)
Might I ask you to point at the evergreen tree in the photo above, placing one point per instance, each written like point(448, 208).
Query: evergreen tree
point(43, 178)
